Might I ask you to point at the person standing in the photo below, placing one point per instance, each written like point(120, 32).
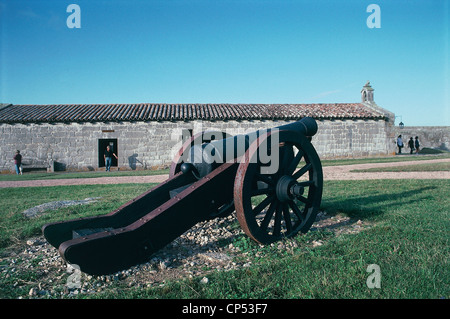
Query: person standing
point(108, 157)
point(417, 144)
point(411, 145)
point(18, 162)
point(399, 144)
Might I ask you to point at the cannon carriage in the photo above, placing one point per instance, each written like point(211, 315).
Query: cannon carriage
point(271, 178)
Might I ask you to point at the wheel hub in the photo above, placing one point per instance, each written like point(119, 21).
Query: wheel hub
point(287, 188)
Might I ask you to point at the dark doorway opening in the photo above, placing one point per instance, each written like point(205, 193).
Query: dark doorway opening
point(102, 143)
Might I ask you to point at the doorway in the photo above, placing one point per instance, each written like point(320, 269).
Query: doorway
point(102, 143)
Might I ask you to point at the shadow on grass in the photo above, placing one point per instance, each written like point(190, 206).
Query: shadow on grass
point(370, 206)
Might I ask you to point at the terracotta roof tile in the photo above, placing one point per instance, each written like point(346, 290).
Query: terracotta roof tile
point(182, 112)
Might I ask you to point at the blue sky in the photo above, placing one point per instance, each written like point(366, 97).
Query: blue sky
point(228, 51)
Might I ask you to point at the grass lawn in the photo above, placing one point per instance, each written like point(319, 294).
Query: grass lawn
point(68, 175)
point(407, 238)
point(410, 168)
point(15, 228)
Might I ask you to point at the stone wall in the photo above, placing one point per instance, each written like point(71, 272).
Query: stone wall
point(144, 145)
point(352, 139)
point(437, 137)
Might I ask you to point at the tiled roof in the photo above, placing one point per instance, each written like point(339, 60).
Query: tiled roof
point(182, 112)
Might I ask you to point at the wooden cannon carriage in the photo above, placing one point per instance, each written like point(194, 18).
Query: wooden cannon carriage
point(271, 178)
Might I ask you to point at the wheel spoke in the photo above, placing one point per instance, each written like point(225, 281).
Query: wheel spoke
point(277, 224)
point(269, 215)
point(258, 209)
point(306, 183)
point(287, 217)
point(302, 171)
point(262, 191)
point(286, 153)
point(294, 162)
point(296, 210)
point(303, 200)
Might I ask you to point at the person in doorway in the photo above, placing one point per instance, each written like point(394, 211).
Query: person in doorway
point(417, 144)
point(108, 157)
point(399, 144)
point(411, 145)
point(18, 162)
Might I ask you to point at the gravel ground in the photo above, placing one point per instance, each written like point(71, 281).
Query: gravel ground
point(204, 248)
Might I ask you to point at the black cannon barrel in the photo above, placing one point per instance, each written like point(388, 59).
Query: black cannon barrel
point(208, 156)
point(306, 126)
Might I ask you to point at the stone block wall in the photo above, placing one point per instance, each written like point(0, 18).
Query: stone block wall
point(352, 139)
point(145, 145)
point(437, 137)
point(334, 139)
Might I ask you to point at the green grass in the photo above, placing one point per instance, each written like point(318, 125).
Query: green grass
point(15, 227)
point(408, 239)
point(65, 175)
point(409, 168)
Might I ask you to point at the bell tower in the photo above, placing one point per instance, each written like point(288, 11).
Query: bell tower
point(367, 93)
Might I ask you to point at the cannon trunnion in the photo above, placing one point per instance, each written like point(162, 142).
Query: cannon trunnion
point(272, 178)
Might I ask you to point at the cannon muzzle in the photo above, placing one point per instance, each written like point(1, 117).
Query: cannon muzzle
point(306, 126)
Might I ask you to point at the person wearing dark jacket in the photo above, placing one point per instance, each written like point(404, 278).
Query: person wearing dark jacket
point(18, 162)
point(108, 157)
point(399, 144)
point(411, 145)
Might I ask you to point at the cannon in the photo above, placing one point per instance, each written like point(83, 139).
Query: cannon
point(272, 179)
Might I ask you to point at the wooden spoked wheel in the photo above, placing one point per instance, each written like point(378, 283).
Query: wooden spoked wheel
point(277, 203)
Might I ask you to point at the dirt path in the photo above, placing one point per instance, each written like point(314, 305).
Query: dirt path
point(86, 181)
point(341, 172)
